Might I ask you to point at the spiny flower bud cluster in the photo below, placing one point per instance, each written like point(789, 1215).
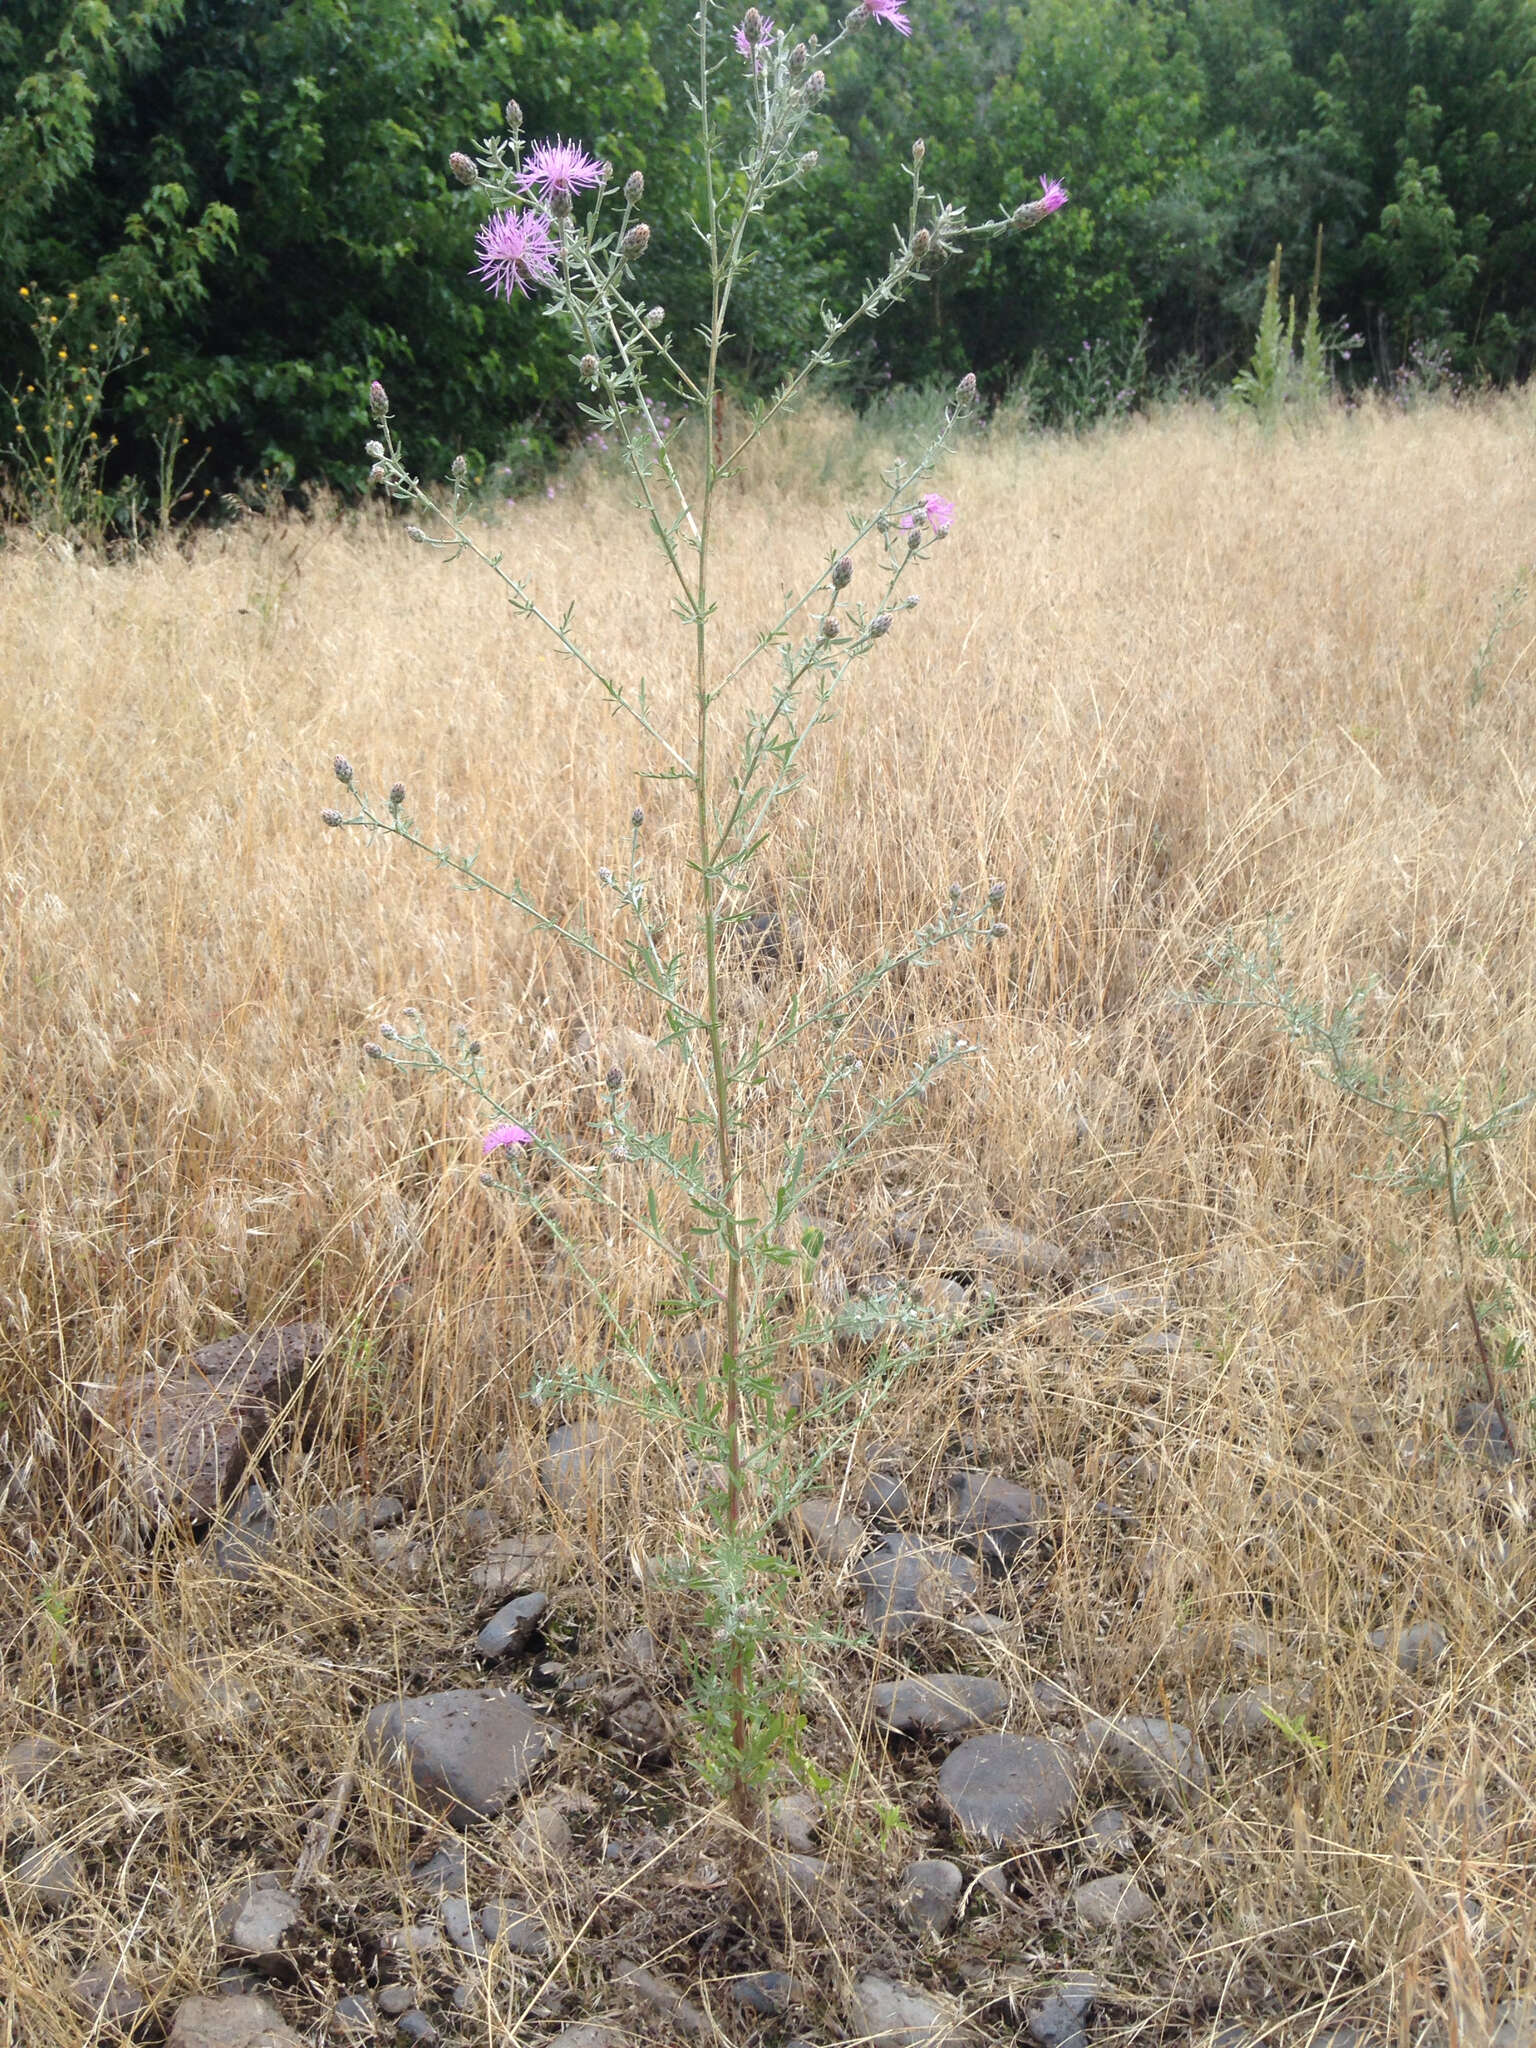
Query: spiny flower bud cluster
point(807, 163)
point(634, 187)
point(919, 150)
point(879, 626)
point(816, 85)
point(831, 626)
point(799, 57)
point(587, 369)
point(460, 470)
point(965, 390)
point(842, 573)
point(331, 817)
point(375, 449)
point(396, 795)
point(378, 399)
point(343, 768)
point(636, 240)
point(514, 114)
point(463, 168)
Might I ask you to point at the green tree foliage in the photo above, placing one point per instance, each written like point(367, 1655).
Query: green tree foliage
point(263, 182)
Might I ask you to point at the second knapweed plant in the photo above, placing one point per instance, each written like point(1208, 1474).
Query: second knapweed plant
point(564, 230)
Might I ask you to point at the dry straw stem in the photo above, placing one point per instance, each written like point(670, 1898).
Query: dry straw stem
point(1163, 683)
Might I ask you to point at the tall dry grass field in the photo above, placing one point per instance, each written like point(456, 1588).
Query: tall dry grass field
point(1166, 684)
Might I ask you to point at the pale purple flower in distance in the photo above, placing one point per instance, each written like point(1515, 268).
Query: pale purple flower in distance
point(1055, 195)
point(517, 253)
point(505, 1134)
point(559, 170)
point(749, 48)
point(893, 11)
point(939, 513)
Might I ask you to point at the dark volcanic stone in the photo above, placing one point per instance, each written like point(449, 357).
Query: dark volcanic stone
point(510, 1627)
point(929, 1897)
point(944, 1703)
point(1010, 1790)
point(579, 1465)
point(996, 1516)
point(182, 1439)
point(462, 1754)
point(243, 1538)
point(769, 1992)
point(907, 1581)
point(1158, 1759)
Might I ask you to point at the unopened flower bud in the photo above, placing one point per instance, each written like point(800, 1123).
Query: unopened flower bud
point(378, 474)
point(587, 369)
point(514, 114)
point(332, 817)
point(879, 626)
point(919, 150)
point(816, 85)
point(375, 449)
point(614, 1079)
point(998, 931)
point(462, 168)
point(605, 173)
point(995, 894)
point(396, 795)
point(343, 768)
point(799, 57)
point(388, 1031)
point(808, 162)
point(636, 240)
point(637, 817)
point(954, 895)
point(914, 540)
point(460, 470)
point(374, 1052)
point(655, 316)
point(605, 876)
point(378, 399)
point(414, 533)
point(831, 626)
point(752, 25)
point(561, 206)
point(965, 390)
point(842, 573)
point(474, 1049)
point(634, 187)
point(920, 243)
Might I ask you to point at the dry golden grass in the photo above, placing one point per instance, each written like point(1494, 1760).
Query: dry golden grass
point(1164, 683)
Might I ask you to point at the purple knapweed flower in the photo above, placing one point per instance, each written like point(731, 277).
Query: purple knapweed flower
point(559, 170)
point(1054, 195)
point(517, 253)
point(753, 35)
point(893, 11)
point(503, 1135)
point(938, 512)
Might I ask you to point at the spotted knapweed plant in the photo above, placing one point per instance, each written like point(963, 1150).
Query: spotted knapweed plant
point(562, 229)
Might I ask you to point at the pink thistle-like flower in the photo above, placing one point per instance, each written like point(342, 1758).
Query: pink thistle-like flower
point(517, 253)
point(938, 512)
point(504, 1135)
point(1054, 195)
point(893, 11)
point(559, 170)
point(750, 46)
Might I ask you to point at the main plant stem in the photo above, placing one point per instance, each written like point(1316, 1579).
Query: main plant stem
point(725, 1148)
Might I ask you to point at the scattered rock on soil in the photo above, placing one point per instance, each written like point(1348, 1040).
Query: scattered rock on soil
point(1059, 2020)
point(254, 1921)
point(632, 1718)
point(1010, 1790)
point(1112, 1902)
point(889, 2014)
point(521, 1931)
point(884, 1498)
point(835, 1538)
point(543, 1835)
point(929, 1896)
point(510, 1627)
point(1247, 1716)
point(243, 1537)
point(461, 1930)
point(1108, 1836)
point(1418, 1649)
point(765, 1992)
point(242, 2020)
point(1514, 2024)
point(108, 1996)
point(1158, 1759)
point(794, 1820)
point(666, 1999)
point(520, 1564)
point(1438, 1799)
point(26, 1762)
point(49, 1877)
point(995, 1516)
point(580, 1465)
point(1013, 1255)
point(182, 1439)
point(944, 1703)
point(462, 1754)
point(908, 1580)
point(1481, 1432)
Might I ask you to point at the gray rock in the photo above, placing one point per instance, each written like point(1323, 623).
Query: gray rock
point(835, 1538)
point(907, 1580)
point(1108, 1835)
point(237, 2020)
point(587, 2034)
point(255, 1920)
point(1481, 1432)
point(355, 2017)
point(445, 1871)
point(1248, 1716)
point(395, 1999)
point(520, 1564)
point(1438, 1800)
point(543, 1836)
point(243, 1537)
point(1159, 1760)
point(461, 1930)
point(463, 1755)
point(1418, 1649)
point(28, 1761)
point(581, 1464)
point(415, 2026)
point(49, 1877)
point(884, 1498)
point(634, 1718)
point(886, 2013)
point(799, 1880)
point(1010, 1790)
point(766, 1992)
point(1105, 1903)
point(108, 1996)
point(666, 1999)
point(410, 1944)
point(1059, 2020)
point(994, 1516)
point(794, 1820)
point(945, 1703)
point(1514, 2024)
point(182, 1439)
point(929, 1896)
point(519, 1930)
point(510, 1627)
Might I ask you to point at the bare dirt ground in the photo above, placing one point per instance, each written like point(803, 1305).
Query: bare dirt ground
point(1272, 1603)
